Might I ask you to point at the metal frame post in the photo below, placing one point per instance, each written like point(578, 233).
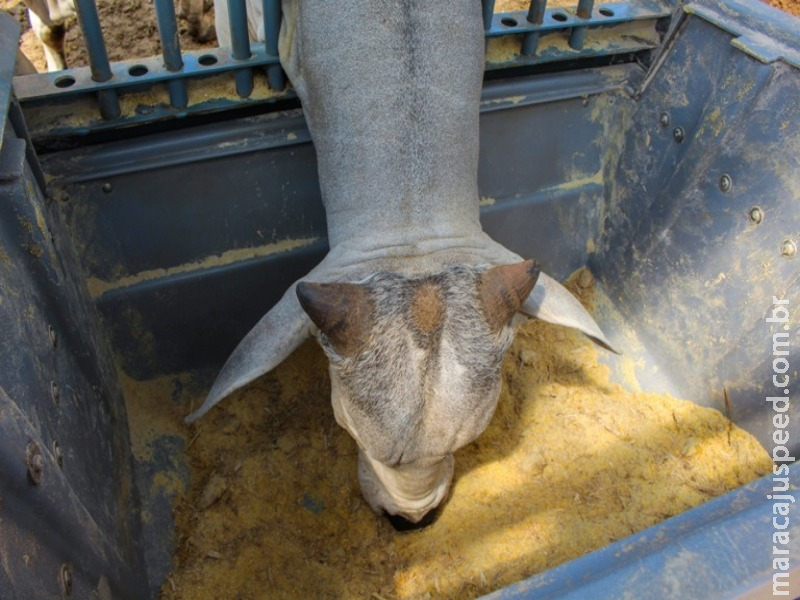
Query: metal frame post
point(98, 57)
point(535, 17)
point(171, 50)
point(272, 28)
point(240, 41)
point(578, 35)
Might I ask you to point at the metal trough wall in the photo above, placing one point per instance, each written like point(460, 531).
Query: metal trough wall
point(174, 72)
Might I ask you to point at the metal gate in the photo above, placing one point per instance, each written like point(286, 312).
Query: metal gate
point(113, 94)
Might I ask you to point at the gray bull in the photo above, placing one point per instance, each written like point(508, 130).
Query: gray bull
point(414, 303)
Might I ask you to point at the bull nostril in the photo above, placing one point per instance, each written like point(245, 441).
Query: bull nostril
point(402, 524)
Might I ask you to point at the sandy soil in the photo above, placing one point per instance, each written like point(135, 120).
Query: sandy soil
point(130, 28)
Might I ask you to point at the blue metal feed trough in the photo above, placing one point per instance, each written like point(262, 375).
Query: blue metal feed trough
point(655, 143)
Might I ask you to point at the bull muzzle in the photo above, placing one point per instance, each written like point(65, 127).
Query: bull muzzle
point(408, 494)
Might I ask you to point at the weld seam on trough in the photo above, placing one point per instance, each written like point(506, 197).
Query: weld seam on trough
point(676, 28)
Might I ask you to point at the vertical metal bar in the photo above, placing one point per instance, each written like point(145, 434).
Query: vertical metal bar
point(272, 28)
point(578, 35)
point(536, 17)
point(240, 41)
point(98, 57)
point(171, 50)
point(488, 13)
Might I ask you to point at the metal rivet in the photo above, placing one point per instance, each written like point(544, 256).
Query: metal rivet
point(54, 392)
point(756, 215)
point(107, 187)
point(725, 183)
point(678, 134)
point(53, 336)
point(66, 579)
point(788, 248)
point(58, 454)
point(664, 119)
point(59, 194)
point(35, 462)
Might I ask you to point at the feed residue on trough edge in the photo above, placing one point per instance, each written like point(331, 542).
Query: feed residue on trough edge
point(97, 287)
point(569, 463)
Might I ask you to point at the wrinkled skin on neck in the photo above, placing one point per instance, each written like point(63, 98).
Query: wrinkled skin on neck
point(391, 92)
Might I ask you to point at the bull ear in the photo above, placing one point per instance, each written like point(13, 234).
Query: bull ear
point(342, 311)
point(273, 338)
point(503, 289)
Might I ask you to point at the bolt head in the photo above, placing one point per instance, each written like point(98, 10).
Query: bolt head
point(35, 462)
point(58, 454)
point(725, 183)
point(788, 249)
point(756, 215)
point(664, 119)
point(107, 187)
point(66, 579)
point(678, 134)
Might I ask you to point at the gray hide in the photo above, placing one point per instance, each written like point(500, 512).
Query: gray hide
point(391, 91)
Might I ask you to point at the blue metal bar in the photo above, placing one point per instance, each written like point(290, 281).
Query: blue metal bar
point(98, 57)
point(578, 35)
point(535, 17)
point(215, 61)
point(272, 27)
point(488, 13)
point(171, 49)
point(240, 40)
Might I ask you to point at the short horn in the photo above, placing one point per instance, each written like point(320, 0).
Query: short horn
point(503, 289)
point(342, 311)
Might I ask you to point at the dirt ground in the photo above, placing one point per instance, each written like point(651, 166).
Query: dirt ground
point(130, 28)
point(570, 462)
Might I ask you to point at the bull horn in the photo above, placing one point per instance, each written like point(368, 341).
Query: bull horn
point(503, 289)
point(274, 338)
point(342, 311)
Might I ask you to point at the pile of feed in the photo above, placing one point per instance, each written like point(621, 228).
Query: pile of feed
point(570, 463)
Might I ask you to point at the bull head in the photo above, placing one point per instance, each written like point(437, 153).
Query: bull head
point(415, 371)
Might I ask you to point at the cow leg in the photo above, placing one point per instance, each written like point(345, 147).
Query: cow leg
point(52, 37)
point(201, 27)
